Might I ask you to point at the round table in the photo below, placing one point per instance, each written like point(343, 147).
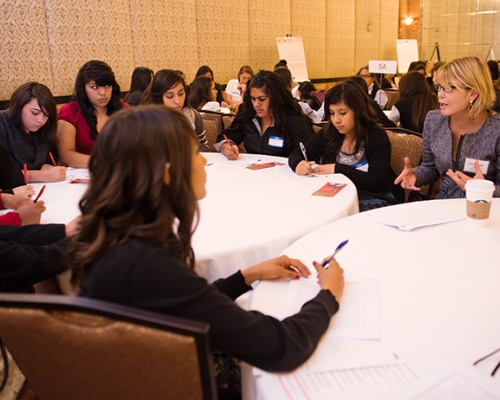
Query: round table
point(247, 216)
point(438, 288)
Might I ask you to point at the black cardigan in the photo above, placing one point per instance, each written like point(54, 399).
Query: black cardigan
point(380, 175)
point(150, 277)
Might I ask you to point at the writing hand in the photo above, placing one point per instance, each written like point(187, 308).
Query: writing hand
point(231, 151)
point(331, 278)
point(304, 168)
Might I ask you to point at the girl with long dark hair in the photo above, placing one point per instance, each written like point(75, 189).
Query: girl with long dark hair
point(96, 98)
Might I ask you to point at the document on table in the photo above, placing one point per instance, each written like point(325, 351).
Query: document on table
point(456, 381)
point(361, 383)
point(358, 318)
point(412, 216)
point(242, 162)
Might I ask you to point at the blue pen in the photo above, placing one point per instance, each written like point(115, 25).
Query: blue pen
point(339, 247)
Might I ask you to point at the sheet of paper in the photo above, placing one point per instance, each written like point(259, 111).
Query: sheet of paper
point(412, 217)
point(457, 381)
point(338, 354)
point(243, 161)
point(362, 383)
point(358, 317)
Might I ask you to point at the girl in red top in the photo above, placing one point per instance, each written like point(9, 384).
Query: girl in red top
point(97, 96)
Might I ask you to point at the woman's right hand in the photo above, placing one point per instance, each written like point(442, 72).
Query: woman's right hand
point(25, 191)
point(304, 167)
point(331, 278)
point(407, 178)
point(231, 151)
point(31, 212)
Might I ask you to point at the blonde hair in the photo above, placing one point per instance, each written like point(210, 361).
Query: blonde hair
point(470, 73)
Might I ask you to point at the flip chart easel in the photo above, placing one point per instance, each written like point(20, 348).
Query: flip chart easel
point(407, 50)
point(291, 49)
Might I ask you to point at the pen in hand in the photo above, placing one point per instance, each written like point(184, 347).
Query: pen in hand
point(52, 159)
point(339, 247)
point(303, 150)
point(229, 143)
point(39, 193)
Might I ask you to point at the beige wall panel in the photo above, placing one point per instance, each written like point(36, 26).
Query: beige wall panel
point(268, 19)
point(340, 38)
point(367, 39)
point(223, 39)
point(389, 29)
point(24, 46)
point(308, 21)
point(164, 35)
point(80, 31)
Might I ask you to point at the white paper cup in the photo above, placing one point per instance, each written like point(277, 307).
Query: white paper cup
point(478, 193)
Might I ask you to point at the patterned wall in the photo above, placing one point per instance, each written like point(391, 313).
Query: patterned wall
point(264, 28)
point(49, 40)
point(79, 31)
point(24, 49)
point(164, 35)
point(223, 37)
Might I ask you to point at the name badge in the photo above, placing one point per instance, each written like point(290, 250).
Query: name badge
point(362, 166)
point(469, 165)
point(276, 141)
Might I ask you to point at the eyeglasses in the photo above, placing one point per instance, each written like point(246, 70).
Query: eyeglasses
point(448, 89)
point(364, 76)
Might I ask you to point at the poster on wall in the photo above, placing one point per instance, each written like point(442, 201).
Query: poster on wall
point(291, 49)
point(407, 50)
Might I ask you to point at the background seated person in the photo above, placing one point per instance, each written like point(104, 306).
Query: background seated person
point(463, 129)
point(28, 131)
point(97, 96)
point(352, 144)
point(374, 90)
point(268, 122)
point(236, 87)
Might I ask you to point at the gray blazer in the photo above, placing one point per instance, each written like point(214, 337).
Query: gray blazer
point(437, 155)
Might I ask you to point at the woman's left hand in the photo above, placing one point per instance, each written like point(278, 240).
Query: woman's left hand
point(279, 267)
point(461, 179)
point(324, 169)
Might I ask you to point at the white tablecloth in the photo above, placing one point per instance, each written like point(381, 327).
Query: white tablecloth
point(438, 287)
point(247, 216)
point(250, 216)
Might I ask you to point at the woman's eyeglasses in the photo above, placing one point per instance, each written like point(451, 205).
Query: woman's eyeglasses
point(448, 89)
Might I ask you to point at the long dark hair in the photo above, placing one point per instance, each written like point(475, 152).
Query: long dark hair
point(281, 105)
point(141, 78)
point(163, 80)
point(128, 198)
point(23, 95)
point(200, 94)
point(365, 118)
point(414, 85)
point(203, 70)
point(102, 74)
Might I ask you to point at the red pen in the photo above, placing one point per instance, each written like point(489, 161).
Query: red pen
point(25, 169)
point(52, 159)
point(39, 193)
point(228, 142)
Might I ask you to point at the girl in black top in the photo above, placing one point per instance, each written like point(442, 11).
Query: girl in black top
point(269, 121)
point(415, 101)
point(352, 144)
point(134, 246)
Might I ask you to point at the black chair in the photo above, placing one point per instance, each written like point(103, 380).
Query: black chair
point(78, 348)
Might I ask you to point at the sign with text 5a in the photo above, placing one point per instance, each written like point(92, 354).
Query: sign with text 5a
point(382, 67)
